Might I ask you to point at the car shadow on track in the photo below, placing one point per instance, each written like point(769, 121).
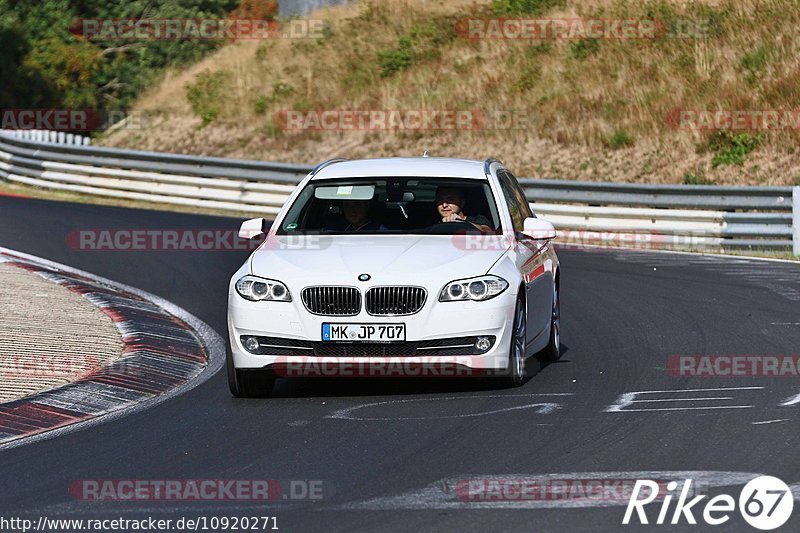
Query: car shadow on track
point(385, 386)
point(536, 364)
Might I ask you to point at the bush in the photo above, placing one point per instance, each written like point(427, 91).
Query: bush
point(757, 59)
point(696, 179)
point(584, 48)
point(422, 43)
point(620, 139)
point(524, 7)
point(396, 59)
point(527, 66)
point(260, 104)
point(732, 149)
point(206, 93)
point(754, 63)
point(527, 77)
point(270, 129)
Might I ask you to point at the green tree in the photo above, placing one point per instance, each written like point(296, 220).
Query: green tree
point(46, 61)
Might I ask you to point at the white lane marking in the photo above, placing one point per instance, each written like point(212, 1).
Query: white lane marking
point(449, 493)
point(784, 323)
point(792, 400)
point(685, 408)
point(684, 399)
point(699, 390)
point(627, 399)
point(770, 421)
point(542, 408)
point(213, 342)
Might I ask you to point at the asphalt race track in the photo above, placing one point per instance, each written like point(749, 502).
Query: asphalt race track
point(386, 450)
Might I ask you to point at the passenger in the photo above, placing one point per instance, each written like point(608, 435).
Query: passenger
point(450, 202)
point(357, 214)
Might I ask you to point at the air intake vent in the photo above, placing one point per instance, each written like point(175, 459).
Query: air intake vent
point(332, 301)
point(394, 301)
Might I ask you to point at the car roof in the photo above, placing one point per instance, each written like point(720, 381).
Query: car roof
point(428, 167)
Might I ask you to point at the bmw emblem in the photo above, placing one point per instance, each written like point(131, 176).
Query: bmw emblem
point(364, 277)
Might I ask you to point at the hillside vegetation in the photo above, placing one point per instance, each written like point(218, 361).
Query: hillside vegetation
point(597, 109)
point(48, 61)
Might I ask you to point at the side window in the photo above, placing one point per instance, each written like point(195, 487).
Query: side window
point(519, 210)
point(525, 206)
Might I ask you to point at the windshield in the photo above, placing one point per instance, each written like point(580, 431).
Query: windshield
point(393, 206)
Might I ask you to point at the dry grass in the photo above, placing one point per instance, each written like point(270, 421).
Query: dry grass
point(600, 110)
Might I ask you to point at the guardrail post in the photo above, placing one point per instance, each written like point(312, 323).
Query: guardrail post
point(796, 219)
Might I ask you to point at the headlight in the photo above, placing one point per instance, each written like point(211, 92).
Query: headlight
point(260, 289)
point(480, 288)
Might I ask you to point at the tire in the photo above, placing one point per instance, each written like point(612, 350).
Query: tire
point(553, 350)
point(515, 374)
point(248, 383)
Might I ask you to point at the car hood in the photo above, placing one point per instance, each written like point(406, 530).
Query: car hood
point(410, 259)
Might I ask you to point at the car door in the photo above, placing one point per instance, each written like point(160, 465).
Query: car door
point(529, 259)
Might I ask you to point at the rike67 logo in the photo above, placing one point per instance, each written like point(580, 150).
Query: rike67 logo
point(765, 503)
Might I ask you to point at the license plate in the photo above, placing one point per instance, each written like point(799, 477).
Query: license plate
point(364, 332)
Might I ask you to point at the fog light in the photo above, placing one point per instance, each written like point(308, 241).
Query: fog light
point(251, 344)
point(482, 344)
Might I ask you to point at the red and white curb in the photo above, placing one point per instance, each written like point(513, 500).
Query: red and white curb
point(167, 351)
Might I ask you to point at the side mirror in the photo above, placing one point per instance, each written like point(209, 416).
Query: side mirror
point(255, 227)
point(539, 229)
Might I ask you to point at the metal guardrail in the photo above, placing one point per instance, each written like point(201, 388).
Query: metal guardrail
point(670, 216)
point(58, 137)
point(682, 216)
point(658, 195)
point(217, 183)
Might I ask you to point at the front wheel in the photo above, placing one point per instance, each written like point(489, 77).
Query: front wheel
point(248, 383)
point(515, 374)
point(553, 350)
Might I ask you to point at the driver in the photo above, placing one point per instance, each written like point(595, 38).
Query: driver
point(450, 202)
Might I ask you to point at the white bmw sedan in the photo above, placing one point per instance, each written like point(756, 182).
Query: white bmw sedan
point(396, 267)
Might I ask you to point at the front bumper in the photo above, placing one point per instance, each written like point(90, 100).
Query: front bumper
point(436, 320)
